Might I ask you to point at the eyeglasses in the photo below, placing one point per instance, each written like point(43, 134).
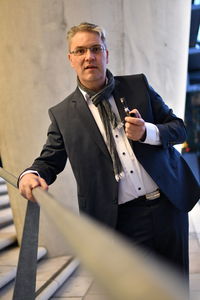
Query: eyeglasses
point(97, 49)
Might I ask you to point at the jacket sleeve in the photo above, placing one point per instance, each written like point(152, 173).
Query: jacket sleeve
point(171, 128)
point(53, 157)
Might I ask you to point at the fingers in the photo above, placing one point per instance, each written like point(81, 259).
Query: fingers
point(134, 121)
point(137, 120)
point(136, 112)
point(43, 184)
point(28, 182)
point(135, 132)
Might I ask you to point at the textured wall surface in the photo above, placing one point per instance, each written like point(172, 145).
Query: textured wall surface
point(144, 36)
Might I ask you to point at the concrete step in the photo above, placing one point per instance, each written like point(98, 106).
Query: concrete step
point(6, 216)
point(2, 181)
point(3, 189)
point(4, 201)
point(80, 285)
point(7, 236)
point(51, 274)
point(8, 264)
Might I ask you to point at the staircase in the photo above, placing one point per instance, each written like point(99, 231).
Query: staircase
point(7, 229)
point(51, 272)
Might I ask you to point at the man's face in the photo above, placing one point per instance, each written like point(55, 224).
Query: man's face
point(90, 67)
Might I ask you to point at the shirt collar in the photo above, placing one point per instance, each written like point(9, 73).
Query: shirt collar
point(85, 95)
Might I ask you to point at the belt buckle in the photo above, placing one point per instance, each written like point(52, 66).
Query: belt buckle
point(153, 195)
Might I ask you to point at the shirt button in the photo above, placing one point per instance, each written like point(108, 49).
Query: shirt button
point(131, 171)
point(123, 153)
point(139, 188)
point(116, 135)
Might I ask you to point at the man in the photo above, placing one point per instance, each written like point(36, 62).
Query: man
point(129, 176)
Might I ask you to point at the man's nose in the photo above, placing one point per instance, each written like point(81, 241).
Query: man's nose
point(89, 54)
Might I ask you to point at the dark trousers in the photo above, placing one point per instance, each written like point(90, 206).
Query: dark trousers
point(159, 227)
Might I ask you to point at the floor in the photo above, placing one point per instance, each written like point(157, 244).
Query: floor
point(81, 287)
point(194, 267)
point(194, 243)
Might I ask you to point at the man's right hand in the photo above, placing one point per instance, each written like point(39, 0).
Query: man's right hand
point(28, 182)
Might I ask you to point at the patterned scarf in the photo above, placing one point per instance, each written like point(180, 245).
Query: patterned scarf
point(101, 101)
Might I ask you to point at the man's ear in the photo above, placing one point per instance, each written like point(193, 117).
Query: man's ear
point(69, 58)
point(107, 56)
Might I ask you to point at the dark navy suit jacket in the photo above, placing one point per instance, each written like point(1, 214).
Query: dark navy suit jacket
point(73, 134)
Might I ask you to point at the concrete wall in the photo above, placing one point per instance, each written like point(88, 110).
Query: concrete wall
point(148, 36)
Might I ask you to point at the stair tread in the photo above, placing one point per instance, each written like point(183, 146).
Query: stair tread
point(4, 200)
point(46, 269)
point(5, 215)
point(7, 236)
point(3, 189)
point(8, 229)
point(8, 263)
point(2, 181)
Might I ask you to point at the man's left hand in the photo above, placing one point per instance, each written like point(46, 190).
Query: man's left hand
point(135, 127)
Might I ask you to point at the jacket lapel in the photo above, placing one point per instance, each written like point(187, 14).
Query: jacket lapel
point(117, 94)
point(88, 121)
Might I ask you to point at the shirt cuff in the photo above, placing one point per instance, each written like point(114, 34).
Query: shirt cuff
point(29, 172)
point(152, 134)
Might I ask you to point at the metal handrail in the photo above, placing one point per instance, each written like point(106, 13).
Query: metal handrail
point(122, 270)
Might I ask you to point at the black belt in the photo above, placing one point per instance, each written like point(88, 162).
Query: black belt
point(146, 200)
